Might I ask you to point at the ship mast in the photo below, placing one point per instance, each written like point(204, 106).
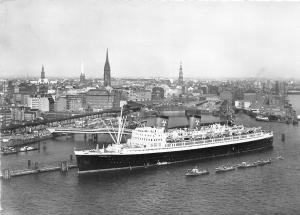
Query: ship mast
point(120, 122)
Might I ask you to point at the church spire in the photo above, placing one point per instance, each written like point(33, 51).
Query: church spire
point(107, 66)
point(106, 54)
point(106, 71)
point(82, 74)
point(180, 78)
point(43, 73)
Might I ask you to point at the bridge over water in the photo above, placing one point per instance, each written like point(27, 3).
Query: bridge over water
point(64, 121)
point(111, 130)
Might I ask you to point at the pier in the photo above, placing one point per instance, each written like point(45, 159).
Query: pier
point(64, 166)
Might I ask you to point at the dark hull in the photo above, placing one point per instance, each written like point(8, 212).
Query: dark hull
point(93, 163)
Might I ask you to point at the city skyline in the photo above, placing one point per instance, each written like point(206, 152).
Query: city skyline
point(211, 39)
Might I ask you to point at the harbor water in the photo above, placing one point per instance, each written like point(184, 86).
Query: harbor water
point(269, 189)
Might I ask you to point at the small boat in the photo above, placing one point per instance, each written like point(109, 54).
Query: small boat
point(247, 165)
point(8, 150)
point(195, 172)
point(259, 163)
point(162, 163)
point(5, 140)
point(268, 161)
point(280, 158)
point(262, 118)
point(262, 162)
point(27, 148)
point(224, 169)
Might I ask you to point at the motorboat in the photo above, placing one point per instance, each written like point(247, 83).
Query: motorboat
point(247, 165)
point(262, 162)
point(195, 172)
point(8, 150)
point(162, 163)
point(27, 148)
point(262, 118)
point(280, 158)
point(224, 169)
point(268, 161)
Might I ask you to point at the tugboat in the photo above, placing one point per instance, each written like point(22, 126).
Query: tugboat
point(161, 163)
point(246, 165)
point(221, 169)
point(259, 163)
point(262, 118)
point(27, 148)
point(195, 172)
point(268, 161)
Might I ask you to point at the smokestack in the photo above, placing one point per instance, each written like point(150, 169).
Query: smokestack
point(162, 121)
point(194, 121)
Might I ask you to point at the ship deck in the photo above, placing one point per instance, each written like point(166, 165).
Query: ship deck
point(179, 146)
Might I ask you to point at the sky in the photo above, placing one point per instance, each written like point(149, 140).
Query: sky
point(150, 38)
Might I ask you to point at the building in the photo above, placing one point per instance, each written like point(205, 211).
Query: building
point(240, 104)
point(74, 102)
point(51, 103)
point(5, 117)
point(17, 114)
point(173, 92)
point(139, 95)
point(277, 88)
point(204, 89)
point(39, 102)
point(60, 104)
point(100, 99)
point(158, 93)
point(107, 72)
point(250, 96)
point(32, 114)
point(226, 95)
point(212, 89)
point(180, 78)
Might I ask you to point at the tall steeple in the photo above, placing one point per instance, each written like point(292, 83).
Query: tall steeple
point(106, 71)
point(82, 74)
point(43, 73)
point(180, 78)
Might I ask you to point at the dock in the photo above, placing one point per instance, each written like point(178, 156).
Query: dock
point(63, 167)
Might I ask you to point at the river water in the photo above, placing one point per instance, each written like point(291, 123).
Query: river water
point(270, 189)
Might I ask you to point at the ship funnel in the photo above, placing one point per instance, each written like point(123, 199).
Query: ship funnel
point(194, 121)
point(162, 121)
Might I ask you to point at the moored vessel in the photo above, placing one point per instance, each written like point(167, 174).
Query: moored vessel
point(221, 169)
point(151, 146)
point(27, 148)
point(262, 118)
point(196, 172)
point(8, 150)
point(247, 165)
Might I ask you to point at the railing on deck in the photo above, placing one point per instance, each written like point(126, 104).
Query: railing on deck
point(206, 142)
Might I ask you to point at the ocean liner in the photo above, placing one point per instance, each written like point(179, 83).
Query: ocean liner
point(151, 146)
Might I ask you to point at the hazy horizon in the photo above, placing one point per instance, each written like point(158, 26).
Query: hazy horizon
point(150, 38)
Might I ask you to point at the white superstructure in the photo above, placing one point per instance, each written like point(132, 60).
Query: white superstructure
point(157, 140)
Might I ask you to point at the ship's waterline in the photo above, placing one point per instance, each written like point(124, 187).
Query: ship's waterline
point(150, 146)
point(98, 163)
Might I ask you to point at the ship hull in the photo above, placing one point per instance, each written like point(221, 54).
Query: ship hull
point(95, 163)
